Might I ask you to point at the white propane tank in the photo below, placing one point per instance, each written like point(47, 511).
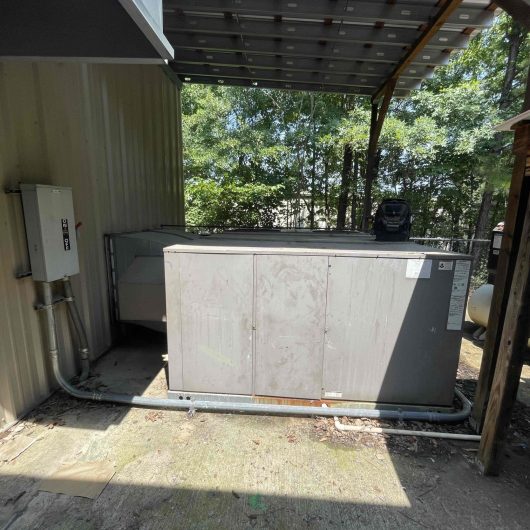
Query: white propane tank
point(478, 307)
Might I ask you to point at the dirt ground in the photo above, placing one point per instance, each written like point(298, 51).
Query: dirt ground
point(224, 471)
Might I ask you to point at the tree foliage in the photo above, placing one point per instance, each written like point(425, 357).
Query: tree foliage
point(263, 157)
point(243, 205)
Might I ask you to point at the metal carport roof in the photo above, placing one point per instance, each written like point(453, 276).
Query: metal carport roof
point(343, 46)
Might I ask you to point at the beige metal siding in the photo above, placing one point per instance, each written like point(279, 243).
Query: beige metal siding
point(112, 133)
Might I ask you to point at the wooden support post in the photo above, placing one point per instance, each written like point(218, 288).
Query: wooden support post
point(505, 268)
point(376, 126)
point(512, 346)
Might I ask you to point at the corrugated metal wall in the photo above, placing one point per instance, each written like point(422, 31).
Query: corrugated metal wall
point(112, 133)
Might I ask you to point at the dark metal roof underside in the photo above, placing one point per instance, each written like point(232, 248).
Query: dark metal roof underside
point(343, 46)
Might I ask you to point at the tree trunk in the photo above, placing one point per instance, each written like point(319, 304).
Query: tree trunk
point(326, 193)
point(482, 226)
point(313, 166)
point(347, 162)
point(312, 202)
point(515, 35)
point(371, 173)
point(355, 179)
point(455, 231)
point(370, 170)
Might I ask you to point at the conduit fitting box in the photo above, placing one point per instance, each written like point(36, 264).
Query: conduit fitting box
point(50, 229)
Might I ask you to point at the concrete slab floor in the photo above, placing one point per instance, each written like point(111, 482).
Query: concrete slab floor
point(224, 471)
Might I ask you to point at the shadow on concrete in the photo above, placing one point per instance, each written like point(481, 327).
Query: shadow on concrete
point(130, 506)
point(132, 367)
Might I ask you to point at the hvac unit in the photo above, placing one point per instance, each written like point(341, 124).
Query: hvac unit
point(314, 316)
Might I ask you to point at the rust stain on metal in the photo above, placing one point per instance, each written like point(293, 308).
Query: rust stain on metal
point(275, 400)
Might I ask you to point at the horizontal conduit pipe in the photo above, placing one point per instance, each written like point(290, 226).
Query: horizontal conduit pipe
point(406, 432)
point(253, 408)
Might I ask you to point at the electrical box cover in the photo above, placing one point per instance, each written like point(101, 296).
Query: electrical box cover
point(50, 228)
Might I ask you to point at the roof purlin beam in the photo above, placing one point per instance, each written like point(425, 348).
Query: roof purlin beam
point(310, 64)
point(300, 64)
point(292, 85)
point(390, 36)
point(284, 76)
point(363, 11)
point(357, 52)
point(438, 21)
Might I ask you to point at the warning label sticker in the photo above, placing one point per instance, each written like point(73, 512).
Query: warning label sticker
point(457, 303)
point(445, 266)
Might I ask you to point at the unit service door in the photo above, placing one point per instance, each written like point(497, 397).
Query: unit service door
point(290, 313)
point(211, 350)
point(387, 338)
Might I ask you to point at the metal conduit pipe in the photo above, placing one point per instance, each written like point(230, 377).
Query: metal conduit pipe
point(79, 328)
point(253, 408)
point(406, 432)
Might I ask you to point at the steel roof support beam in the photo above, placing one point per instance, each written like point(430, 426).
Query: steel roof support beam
point(447, 9)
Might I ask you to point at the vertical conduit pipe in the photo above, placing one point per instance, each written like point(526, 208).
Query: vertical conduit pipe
point(79, 328)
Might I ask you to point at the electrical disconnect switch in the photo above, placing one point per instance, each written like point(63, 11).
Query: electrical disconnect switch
point(50, 229)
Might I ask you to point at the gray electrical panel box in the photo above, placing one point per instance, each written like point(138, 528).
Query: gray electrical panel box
point(314, 317)
point(50, 229)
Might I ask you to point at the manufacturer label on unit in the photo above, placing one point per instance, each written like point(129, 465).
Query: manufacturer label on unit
point(66, 234)
point(418, 268)
point(333, 394)
point(457, 303)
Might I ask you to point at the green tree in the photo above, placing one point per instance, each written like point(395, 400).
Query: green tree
point(257, 157)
